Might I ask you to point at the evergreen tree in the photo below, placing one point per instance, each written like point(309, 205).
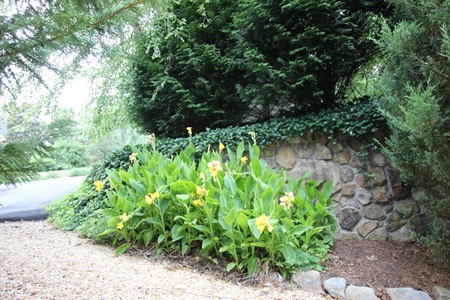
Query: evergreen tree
point(47, 35)
point(219, 63)
point(415, 83)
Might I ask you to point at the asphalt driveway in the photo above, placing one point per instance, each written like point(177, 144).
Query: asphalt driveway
point(26, 201)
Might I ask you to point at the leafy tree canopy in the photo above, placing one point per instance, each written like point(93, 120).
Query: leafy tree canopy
point(219, 63)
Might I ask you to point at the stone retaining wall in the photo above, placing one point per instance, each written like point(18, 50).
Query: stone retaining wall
point(369, 199)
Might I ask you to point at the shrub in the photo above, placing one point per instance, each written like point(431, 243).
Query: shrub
point(213, 64)
point(241, 210)
point(79, 172)
point(416, 105)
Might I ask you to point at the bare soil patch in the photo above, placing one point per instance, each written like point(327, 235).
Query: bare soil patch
point(379, 265)
point(382, 265)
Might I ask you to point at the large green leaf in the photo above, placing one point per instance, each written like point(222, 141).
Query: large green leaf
point(253, 228)
point(140, 189)
point(288, 253)
point(242, 221)
point(128, 206)
point(230, 184)
point(256, 167)
point(122, 248)
point(125, 176)
point(268, 200)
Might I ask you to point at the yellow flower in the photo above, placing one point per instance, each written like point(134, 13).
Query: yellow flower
point(221, 146)
point(263, 221)
point(125, 217)
point(286, 200)
point(133, 157)
point(198, 202)
point(244, 160)
point(98, 185)
point(151, 198)
point(202, 191)
point(119, 226)
point(189, 130)
point(214, 167)
point(253, 136)
point(203, 176)
point(151, 140)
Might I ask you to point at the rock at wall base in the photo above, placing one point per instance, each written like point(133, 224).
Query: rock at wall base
point(335, 287)
point(308, 281)
point(407, 294)
point(360, 293)
point(441, 293)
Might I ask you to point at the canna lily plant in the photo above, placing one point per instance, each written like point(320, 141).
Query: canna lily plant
point(240, 210)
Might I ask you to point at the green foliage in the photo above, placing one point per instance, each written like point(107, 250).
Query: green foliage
point(71, 211)
point(355, 120)
point(50, 175)
point(79, 172)
point(28, 141)
point(71, 153)
point(36, 35)
point(15, 161)
point(242, 211)
point(66, 155)
point(416, 105)
point(218, 63)
point(350, 120)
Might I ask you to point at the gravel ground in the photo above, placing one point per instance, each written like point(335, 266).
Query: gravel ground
point(38, 261)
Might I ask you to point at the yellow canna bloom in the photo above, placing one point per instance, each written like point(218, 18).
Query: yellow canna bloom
point(133, 157)
point(263, 221)
point(119, 226)
point(214, 167)
point(198, 202)
point(253, 136)
point(98, 185)
point(151, 198)
point(201, 191)
point(189, 130)
point(151, 140)
point(286, 200)
point(125, 217)
point(221, 146)
point(244, 160)
point(203, 176)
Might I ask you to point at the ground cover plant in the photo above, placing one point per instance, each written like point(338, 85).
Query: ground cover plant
point(240, 210)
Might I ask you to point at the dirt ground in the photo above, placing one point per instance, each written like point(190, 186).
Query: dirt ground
point(41, 262)
point(379, 265)
point(382, 265)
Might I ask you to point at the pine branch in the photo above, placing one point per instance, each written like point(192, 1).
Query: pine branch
point(67, 32)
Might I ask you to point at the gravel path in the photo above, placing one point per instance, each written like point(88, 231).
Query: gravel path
point(38, 261)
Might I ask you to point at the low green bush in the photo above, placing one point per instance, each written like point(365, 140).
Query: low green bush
point(48, 175)
point(79, 172)
point(240, 210)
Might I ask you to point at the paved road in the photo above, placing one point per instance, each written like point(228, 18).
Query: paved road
point(25, 201)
